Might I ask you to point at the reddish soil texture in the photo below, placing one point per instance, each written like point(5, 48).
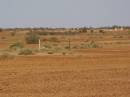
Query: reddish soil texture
point(90, 73)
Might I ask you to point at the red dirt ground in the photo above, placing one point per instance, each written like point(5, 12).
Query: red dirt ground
point(90, 73)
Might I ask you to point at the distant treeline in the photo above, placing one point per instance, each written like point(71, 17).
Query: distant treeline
point(113, 27)
point(58, 30)
point(57, 33)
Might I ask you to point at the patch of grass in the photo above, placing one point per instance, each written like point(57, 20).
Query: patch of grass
point(6, 56)
point(26, 52)
point(129, 32)
point(90, 44)
point(75, 47)
point(67, 47)
point(54, 39)
point(117, 36)
point(93, 45)
point(16, 46)
point(47, 46)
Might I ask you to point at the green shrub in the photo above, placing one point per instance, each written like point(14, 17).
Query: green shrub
point(16, 46)
point(26, 52)
point(32, 38)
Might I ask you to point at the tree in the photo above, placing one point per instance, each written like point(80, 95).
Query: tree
point(84, 29)
point(32, 38)
point(1, 29)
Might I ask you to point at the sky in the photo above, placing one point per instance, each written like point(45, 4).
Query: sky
point(64, 13)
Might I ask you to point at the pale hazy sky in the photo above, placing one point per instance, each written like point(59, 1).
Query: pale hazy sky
point(64, 13)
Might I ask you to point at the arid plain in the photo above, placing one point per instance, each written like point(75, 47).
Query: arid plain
point(97, 64)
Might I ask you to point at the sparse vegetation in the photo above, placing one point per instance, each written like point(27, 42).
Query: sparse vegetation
point(96, 64)
point(91, 30)
point(102, 31)
point(84, 29)
point(26, 52)
point(59, 39)
point(1, 29)
point(16, 46)
point(63, 53)
point(50, 52)
point(57, 33)
point(13, 33)
point(54, 39)
point(129, 32)
point(32, 38)
point(90, 44)
point(93, 45)
point(47, 46)
point(6, 56)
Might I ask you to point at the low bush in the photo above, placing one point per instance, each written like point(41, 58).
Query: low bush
point(50, 52)
point(67, 47)
point(54, 39)
point(90, 44)
point(93, 45)
point(63, 53)
point(102, 31)
point(84, 29)
point(26, 52)
point(47, 46)
point(6, 56)
point(16, 46)
point(13, 33)
point(91, 30)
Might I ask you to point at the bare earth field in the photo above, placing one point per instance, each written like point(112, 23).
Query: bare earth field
point(90, 69)
point(99, 73)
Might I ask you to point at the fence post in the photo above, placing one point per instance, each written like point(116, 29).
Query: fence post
point(39, 44)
